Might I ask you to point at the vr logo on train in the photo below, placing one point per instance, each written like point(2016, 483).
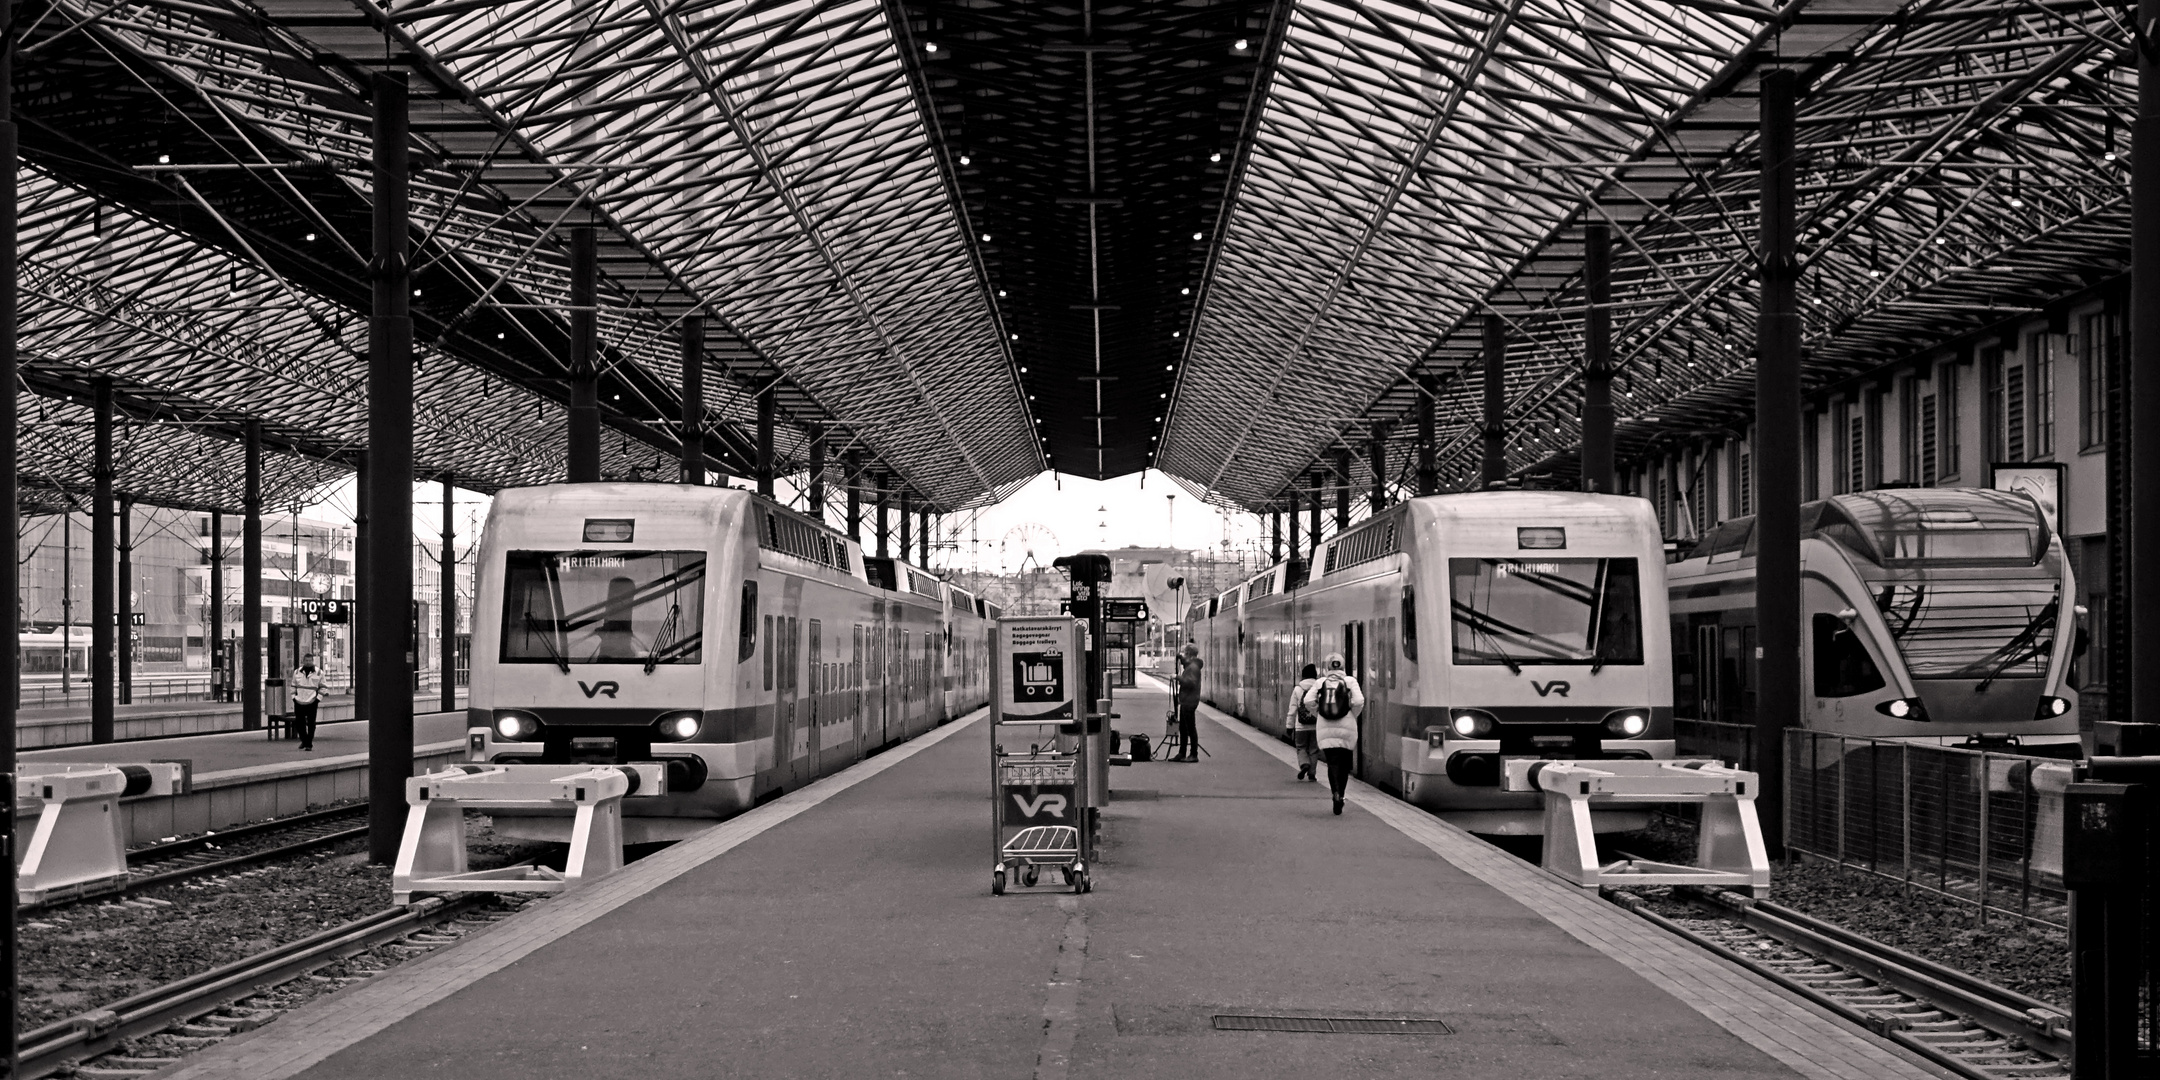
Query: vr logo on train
point(1544, 689)
point(604, 686)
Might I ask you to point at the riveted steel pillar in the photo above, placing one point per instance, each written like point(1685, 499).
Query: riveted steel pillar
point(214, 621)
point(1777, 459)
point(1428, 467)
point(103, 613)
point(1342, 492)
point(817, 472)
point(1494, 469)
point(1312, 542)
point(884, 503)
point(693, 400)
point(387, 588)
point(124, 660)
point(584, 417)
point(906, 516)
point(356, 629)
point(1597, 411)
point(765, 442)
point(448, 599)
point(853, 475)
point(1378, 447)
point(1275, 533)
point(10, 538)
point(2141, 415)
point(251, 566)
point(923, 542)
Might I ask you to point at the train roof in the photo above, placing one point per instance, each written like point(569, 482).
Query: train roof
point(1910, 526)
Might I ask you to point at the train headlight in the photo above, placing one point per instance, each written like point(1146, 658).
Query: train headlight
point(2050, 708)
point(516, 726)
point(1903, 709)
point(675, 727)
point(1471, 723)
point(1628, 723)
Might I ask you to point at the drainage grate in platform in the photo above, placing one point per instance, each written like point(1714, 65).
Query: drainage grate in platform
point(1335, 1025)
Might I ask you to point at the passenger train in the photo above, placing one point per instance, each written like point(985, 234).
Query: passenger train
point(1944, 615)
point(749, 648)
point(1554, 643)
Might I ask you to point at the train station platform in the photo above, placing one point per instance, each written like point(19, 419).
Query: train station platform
point(847, 929)
point(229, 750)
point(69, 724)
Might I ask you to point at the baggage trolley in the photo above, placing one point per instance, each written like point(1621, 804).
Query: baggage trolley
point(1045, 781)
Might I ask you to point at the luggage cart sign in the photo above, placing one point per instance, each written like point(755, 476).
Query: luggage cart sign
point(1042, 663)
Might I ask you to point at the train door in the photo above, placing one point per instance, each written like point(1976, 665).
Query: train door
point(1378, 728)
point(1708, 699)
point(855, 694)
point(1353, 657)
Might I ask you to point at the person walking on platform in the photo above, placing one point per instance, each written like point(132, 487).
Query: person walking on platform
point(307, 687)
point(1300, 725)
point(1336, 700)
point(1188, 705)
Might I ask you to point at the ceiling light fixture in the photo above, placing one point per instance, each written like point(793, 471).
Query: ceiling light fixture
point(1184, 292)
point(1242, 45)
point(1197, 236)
point(1216, 156)
point(986, 238)
point(929, 46)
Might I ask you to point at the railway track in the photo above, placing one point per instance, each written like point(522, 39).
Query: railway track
point(177, 860)
point(153, 1029)
point(1967, 1025)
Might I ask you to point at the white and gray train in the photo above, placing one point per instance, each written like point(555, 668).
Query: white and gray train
point(1940, 615)
point(747, 647)
point(1544, 634)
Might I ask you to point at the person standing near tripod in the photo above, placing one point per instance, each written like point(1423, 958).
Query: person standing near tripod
point(1188, 704)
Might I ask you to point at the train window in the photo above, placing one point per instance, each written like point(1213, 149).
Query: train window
point(817, 657)
point(747, 644)
point(2003, 628)
point(1843, 667)
point(1409, 622)
point(1516, 612)
point(615, 607)
point(770, 644)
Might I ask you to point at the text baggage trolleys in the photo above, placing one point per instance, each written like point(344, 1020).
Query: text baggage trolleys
point(1038, 760)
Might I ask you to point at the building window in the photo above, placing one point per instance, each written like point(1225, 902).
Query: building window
point(1925, 474)
point(1871, 448)
point(1811, 455)
point(1908, 395)
point(1947, 420)
point(1842, 444)
point(2090, 347)
point(1743, 483)
point(2040, 358)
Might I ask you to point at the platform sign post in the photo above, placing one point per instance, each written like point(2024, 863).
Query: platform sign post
point(1039, 782)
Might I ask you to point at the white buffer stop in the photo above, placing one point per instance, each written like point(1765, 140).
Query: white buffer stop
point(1729, 847)
point(431, 855)
point(75, 845)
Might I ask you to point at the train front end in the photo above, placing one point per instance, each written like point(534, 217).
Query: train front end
point(601, 635)
point(1555, 645)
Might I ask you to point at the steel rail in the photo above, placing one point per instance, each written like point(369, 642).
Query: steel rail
point(1974, 1024)
point(98, 1031)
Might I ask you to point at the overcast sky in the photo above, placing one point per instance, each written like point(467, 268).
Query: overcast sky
point(1079, 514)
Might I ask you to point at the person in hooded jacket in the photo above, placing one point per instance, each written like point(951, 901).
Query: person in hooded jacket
point(1336, 701)
point(1300, 725)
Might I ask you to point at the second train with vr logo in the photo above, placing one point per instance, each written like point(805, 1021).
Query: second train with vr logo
point(1481, 626)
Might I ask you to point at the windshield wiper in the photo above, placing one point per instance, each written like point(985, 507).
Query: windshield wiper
point(2024, 646)
point(532, 626)
point(1477, 623)
point(662, 638)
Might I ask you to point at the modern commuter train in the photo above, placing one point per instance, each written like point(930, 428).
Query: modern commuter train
point(1938, 614)
point(746, 646)
point(1554, 644)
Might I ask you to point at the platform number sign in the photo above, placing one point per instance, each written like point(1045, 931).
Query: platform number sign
point(326, 611)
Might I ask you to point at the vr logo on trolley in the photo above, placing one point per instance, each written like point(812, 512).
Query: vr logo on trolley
point(1048, 807)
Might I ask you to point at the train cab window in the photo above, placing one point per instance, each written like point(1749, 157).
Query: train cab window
point(1843, 667)
point(614, 607)
point(1517, 612)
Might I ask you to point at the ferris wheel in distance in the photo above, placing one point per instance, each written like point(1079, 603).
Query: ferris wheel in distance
point(1025, 546)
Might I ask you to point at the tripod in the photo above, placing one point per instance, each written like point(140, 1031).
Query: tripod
point(1173, 739)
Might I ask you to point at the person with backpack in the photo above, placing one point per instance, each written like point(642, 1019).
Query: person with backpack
point(1336, 700)
point(1188, 704)
point(1300, 724)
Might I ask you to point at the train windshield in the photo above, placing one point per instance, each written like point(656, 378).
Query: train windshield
point(603, 607)
point(1513, 612)
point(1972, 630)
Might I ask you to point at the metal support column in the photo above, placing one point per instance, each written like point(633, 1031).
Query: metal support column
point(852, 475)
point(1275, 534)
point(1777, 460)
point(584, 435)
point(817, 472)
point(2141, 415)
point(10, 539)
point(906, 519)
point(884, 502)
point(448, 598)
point(124, 660)
point(103, 612)
point(1428, 466)
point(1494, 469)
point(214, 621)
point(1312, 542)
point(922, 541)
point(1597, 411)
point(1342, 493)
point(251, 598)
point(765, 442)
point(386, 595)
point(1379, 467)
point(1297, 550)
point(693, 400)
point(356, 630)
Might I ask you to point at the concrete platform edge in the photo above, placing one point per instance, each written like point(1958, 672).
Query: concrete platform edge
point(300, 1039)
point(1792, 1030)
